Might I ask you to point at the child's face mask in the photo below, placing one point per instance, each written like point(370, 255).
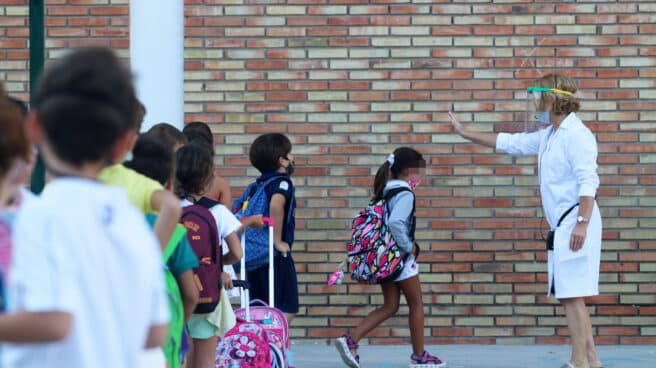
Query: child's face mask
point(414, 180)
point(291, 167)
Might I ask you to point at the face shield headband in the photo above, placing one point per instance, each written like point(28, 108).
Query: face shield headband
point(536, 116)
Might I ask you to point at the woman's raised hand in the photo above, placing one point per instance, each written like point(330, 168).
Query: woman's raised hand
point(457, 126)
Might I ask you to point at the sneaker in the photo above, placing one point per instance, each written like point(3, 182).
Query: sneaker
point(345, 345)
point(426, 361)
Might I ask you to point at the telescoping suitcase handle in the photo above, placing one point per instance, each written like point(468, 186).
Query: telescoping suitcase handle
point(242, 272)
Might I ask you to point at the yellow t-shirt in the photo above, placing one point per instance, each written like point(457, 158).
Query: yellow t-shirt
point(139, 188)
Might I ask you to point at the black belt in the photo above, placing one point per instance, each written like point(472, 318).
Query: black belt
point(550, 236)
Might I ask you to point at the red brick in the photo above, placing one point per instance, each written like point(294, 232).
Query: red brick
point(109, 10)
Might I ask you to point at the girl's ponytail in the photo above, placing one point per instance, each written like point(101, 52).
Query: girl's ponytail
point(382, 176)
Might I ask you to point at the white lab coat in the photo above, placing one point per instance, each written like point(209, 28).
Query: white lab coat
point(567, 164)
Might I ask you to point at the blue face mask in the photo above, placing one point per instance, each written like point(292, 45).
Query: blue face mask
point(543, 117)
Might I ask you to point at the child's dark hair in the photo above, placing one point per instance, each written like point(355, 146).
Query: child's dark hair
point(199, 132)
point(404, 158)
point(153, 158)
point(194, 170)
point(267, 149)
point(13, 140)
point(167, 134)
point(85, 102)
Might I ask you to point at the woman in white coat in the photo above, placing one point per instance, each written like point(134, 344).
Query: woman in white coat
point(567, 166)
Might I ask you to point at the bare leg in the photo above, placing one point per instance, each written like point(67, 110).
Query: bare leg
point(578, 322)
point(391, 296)
point(203, 353)
point(290, 317)
point(412, 290)
point(593, 356)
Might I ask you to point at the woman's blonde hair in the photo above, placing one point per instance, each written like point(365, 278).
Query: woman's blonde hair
point(561, 104)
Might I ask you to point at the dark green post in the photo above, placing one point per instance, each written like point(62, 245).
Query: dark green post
point(37, 59)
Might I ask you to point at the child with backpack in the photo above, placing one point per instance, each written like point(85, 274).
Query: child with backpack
point(271, 195)
point(153, 157)
point(207, 223)
point(86, 288)
point(395, 183)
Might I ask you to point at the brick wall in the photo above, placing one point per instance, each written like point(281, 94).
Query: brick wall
point(349, 80)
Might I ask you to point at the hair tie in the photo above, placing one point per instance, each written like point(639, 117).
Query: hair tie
point(390, 159)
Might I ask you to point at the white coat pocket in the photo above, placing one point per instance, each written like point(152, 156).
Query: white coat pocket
point(561, 243)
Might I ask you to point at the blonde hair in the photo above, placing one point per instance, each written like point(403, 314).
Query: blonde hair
point(561, 104)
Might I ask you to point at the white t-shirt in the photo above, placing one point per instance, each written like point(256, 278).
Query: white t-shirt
point(226, 222)
point(82, 248)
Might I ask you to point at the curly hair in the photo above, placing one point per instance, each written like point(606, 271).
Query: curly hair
point(560, 104)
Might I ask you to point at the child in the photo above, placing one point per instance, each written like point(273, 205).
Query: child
point(403, 169)
point(144, 193)
point(219, 189)
point(14, 156)
point(86, 288)
point(193, 174)
point(271, 155)
point(153, 158)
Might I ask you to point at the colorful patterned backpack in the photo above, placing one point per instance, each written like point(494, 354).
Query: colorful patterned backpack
point(372, 254)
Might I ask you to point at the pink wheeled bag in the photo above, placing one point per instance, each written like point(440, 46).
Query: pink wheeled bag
point(260, 339)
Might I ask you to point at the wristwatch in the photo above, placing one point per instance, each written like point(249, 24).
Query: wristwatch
point(581, 220)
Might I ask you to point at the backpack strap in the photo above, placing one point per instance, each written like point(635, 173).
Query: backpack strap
point(250, 192)
point(391, 194)
point(179, 233)
point(207, 202)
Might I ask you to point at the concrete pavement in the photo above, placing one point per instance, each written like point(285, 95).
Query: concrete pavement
point(476, 356)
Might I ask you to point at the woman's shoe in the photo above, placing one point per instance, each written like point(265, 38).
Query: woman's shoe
point(570, 365)
point(426, 361)
point(346, 345)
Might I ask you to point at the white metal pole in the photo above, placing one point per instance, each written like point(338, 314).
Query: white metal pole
point(157, 59)
point(271, 286)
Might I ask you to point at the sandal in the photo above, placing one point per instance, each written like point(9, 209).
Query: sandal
point(345, 345)
point(426, 361)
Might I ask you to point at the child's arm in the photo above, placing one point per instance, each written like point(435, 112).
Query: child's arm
point(398, 221)
point(250, 221)
point(156, 336)
point(168, 207)
point(235, 251)
point(35, 327)
point(277, 211)
point(189, 292)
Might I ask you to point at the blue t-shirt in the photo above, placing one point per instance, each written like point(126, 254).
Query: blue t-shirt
point(283, 184)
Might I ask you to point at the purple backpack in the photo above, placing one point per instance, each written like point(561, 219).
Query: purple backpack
point(203, 236)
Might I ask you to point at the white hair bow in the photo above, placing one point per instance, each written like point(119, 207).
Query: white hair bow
point(390, 159)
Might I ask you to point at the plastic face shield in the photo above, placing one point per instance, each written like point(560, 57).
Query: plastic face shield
point(537, 116)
